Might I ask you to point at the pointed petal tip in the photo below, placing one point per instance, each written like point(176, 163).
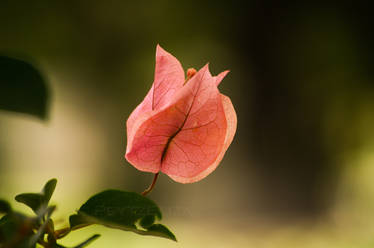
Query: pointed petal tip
point(126, 156)
point(224, 73)
point(204, 70)
point(221, 76)
point(160, 51)
point(205, 67)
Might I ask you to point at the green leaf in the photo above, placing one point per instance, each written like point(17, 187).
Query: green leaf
point(128, 211)
point(33, 200)
point(16, 230)
point(38, 200)
point(88, 241)
point(147, 221)
point(78, 221)
point(42, 229)
point(162, 231)
point(22, 88)
point(48, 189)
point(5, 207)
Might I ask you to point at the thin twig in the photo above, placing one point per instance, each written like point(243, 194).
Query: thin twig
point(149, 189)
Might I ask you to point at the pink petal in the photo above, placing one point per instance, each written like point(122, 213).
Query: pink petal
point(185, 138)
point(169, 77)
point(230, 133)
point(220, 77)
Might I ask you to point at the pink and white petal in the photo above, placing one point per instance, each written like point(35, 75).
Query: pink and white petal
point(150, 138)
point(169, 77)
point(185, 137)
point(220, 77)
point(231, 119)
point(201, 138)
point(143, 107)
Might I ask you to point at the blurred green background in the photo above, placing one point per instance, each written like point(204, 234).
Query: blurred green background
point(299, 172)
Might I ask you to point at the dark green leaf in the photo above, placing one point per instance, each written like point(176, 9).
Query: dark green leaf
point(122, 210)
point(22, 88)
point(78, 221)
point(162, 231)
point(37, 200)
point(147, 221)
point(88, 241)
point(5, 207)
point(33, 200)
point(119, 207)
point(48, 189)
point(16, 230)
point(59, 246)
point(43, 228)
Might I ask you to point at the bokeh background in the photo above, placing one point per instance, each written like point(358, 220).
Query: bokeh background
point(299, 172)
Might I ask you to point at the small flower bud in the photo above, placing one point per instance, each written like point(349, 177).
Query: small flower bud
point(191, 72)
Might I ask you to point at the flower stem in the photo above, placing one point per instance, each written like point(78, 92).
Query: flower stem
point(62, 232)
point(149, 189)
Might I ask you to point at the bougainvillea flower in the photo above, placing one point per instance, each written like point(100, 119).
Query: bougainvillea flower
point(183, 127)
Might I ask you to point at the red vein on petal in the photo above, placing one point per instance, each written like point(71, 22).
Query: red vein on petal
point(181, 127)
